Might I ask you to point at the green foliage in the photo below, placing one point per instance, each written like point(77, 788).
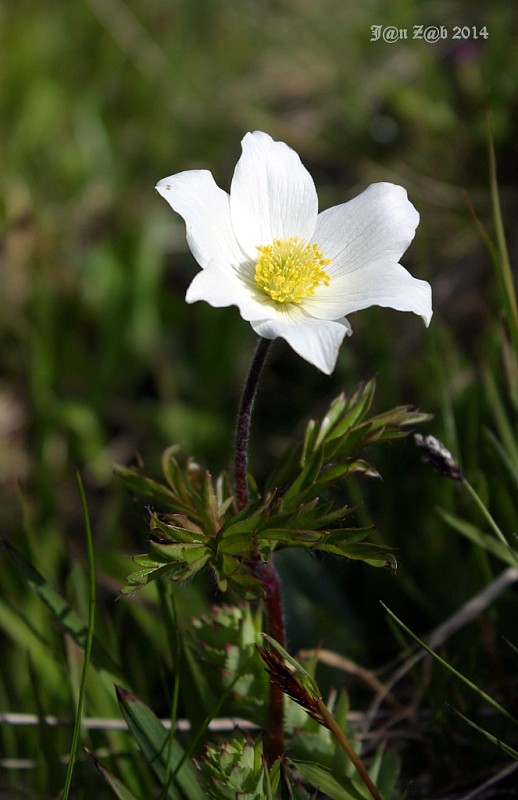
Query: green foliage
point(384, 771)
point(236, 768)
point(160, 749)
point(224, 643)
point(200, 525)
point(64, 614)
point(118, 788)
point(329, 450)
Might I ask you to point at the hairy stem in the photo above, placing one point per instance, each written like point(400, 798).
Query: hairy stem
point(269, 578)
point(266, 573)
point(243, 423)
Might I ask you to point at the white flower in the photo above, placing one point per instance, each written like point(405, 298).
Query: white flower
point(291, 271)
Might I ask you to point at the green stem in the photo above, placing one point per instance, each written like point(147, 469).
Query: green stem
point(348, 749)
point(496, 529)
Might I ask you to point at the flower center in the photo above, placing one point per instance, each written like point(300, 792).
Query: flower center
point(289, 269)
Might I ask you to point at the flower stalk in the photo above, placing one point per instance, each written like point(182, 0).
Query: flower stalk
point(266, 573)
point(269, 578)
point(243, 423)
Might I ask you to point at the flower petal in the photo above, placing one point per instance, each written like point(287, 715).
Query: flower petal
point(221, 287)
point(381, 283)
point(378, 224)
point(195, 195)
point(213, 285)
point(272, 194)
point(316, 342)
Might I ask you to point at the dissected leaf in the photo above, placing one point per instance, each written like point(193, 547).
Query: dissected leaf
point(236, 769)
point(200, 527)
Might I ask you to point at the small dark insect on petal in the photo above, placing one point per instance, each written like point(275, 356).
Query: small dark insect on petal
point(433, 452)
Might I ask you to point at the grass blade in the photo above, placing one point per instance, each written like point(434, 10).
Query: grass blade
point(504, 271)
point(507, 749)
point(89, 639)
point(459, 675)
point(321, 779)
point(120, 791)
point(153, 739)
point(64, 614)
point(480, 537)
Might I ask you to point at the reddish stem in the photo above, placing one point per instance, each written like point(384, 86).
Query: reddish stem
point(266, 573)
point(269, 578)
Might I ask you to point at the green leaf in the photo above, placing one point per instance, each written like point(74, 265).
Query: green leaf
point(297, 537)
point(236, 769)
point(329, 420)
point(506, 428)
point(241, 524)
point(88, 642)
point(239, 544)
point(321, 779)
point(229, 570)
point(396, 417)
point(155, 742)
point(483, 695)
point(176, 528)
point(310, 440)
point(152, 571)
point(148, 487)
point(507, 749)
point(369, 553)
point(210, 499)
point(305, 478)
point(384, 771)
point(357, 406)
point(119, 790)
point(479, 537)
point(63, 613)
point(330, 448)
point(185, 552)
point(173, 474)
point(503, 267)
point(337, 472)
point(346, 536)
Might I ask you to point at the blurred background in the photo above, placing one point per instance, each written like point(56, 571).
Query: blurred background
point(100, 357)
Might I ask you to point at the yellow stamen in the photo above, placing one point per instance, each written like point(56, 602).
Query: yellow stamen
point(290, 270)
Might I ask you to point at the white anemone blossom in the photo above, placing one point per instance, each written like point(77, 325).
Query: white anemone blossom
point(292, 272)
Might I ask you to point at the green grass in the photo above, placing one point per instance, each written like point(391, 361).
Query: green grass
point(102, 359)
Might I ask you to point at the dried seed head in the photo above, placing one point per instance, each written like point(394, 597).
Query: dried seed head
point(433, 452)
point(284, 675)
